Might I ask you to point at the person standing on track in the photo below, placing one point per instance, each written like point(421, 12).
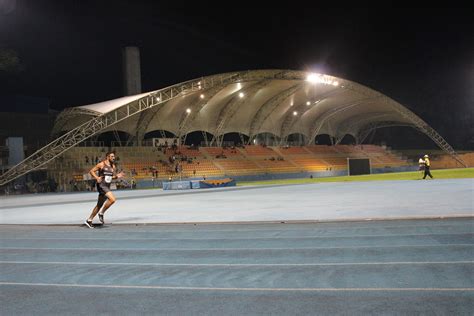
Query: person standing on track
point(106, 172)
point(427, 167)
point(421, 165)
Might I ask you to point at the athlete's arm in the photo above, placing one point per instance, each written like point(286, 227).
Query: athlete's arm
point(118, 175)
point(94, 170)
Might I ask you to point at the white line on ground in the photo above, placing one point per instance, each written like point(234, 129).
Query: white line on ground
point(232, 249)
point(198, 227)
point(239, 238)
point(240, 289)
point(238, 264)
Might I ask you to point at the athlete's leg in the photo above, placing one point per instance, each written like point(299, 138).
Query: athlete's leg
point(110, 200)
point(100, 202)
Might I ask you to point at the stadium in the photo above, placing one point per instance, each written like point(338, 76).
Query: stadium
point(293, 159)
point(261, 124)
point(205, 246)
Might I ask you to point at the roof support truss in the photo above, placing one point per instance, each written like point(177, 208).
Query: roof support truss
point(353, 124)
point(144, 120)
point(231, 108)
point(369, 127)
point(290, 119)
point(188, 118)
point(319, 123)
point(66, 115)
point(269, 106)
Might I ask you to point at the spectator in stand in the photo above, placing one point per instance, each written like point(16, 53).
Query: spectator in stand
point(178, 168)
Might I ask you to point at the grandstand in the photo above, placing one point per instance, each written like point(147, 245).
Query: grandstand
point(144, 163)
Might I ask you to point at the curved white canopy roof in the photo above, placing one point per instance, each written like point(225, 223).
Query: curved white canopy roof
point(280, 102)
point(110, 105)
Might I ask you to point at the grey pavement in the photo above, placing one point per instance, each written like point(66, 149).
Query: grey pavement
point(309, 202)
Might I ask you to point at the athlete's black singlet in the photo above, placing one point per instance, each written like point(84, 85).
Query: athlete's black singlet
point(106, 174)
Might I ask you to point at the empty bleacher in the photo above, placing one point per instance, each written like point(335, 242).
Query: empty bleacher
point(445, 161)
point(159, 162)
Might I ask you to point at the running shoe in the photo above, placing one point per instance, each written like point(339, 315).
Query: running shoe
point(88, 224)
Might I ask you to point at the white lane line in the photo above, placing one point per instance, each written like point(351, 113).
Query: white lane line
point(239, 264)
point(234, 249)
point(278, 227)
point(238, 238)
point(157, 287)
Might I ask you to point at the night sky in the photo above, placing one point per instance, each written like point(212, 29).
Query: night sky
point(70, 51)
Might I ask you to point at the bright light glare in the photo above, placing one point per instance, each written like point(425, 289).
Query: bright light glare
point(314, 78)
point(188, 110)
point(241, 94)
point(295, 113)
point(202, 96)
point(318, 78)
point(308, 103)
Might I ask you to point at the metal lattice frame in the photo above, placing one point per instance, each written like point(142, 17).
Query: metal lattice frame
point(106, 120)
point(206, 140)
point(230, 109)
point(67, 114)
point(319, 123)
point(290, 119)
point(411, 117)
point(269, 107)
point(370, 127)
point(188, 119)
point(354, 124)
point(145, 119)
point(74, 137)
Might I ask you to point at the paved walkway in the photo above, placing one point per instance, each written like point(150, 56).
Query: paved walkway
point(321, 201)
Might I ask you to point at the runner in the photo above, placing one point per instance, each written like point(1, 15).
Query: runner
point(106, 169)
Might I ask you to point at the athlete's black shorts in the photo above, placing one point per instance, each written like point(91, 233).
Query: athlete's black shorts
point(103, 188)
